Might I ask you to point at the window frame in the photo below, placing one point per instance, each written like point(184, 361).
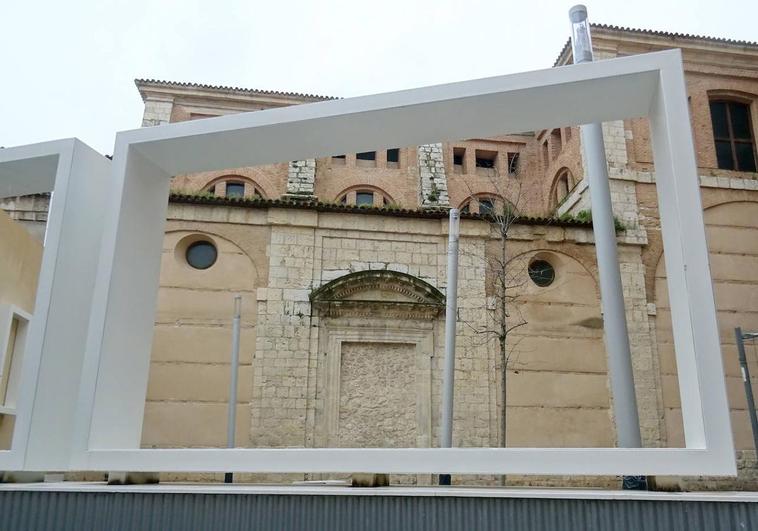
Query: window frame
point(235, 184)
point(732, 139)
point(214, 186)
point(393, 163)
point(348, 196)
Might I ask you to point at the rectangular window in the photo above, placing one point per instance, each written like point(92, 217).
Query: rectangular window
point(393, 155)
point(366, 159)
point(555, 143)
point(459, 160)
point(486, 207)
point(235, 189)
point(513, 159)
point(733, 136)
point(485, 159)
point(364, 198)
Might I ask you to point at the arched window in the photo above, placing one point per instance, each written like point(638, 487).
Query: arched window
point(733, 135)
point(368, 196)
point(487, 205)
point(234, 186)
point(562, 185)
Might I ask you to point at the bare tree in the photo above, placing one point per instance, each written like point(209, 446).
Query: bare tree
point(506, 271)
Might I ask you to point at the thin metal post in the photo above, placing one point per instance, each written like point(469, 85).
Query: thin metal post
point(231, 419)
point(611, 291)
point(448, 375)
point(748, 385)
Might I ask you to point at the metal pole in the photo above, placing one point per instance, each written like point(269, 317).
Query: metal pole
point(231, 418)
point(748, 385)
point(611, 291)
point(448, 375)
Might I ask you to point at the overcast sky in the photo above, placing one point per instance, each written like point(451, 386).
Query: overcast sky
point(68, 66)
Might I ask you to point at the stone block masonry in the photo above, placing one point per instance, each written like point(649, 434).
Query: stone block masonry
point(431, 168)
point(301, 178)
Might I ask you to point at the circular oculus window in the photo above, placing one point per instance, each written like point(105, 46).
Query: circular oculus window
point(541, 273)
point(201, 255)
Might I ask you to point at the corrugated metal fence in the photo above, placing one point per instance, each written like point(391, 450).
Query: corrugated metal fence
point(75, 511)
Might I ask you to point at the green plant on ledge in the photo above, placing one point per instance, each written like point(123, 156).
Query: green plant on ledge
point(585, 216)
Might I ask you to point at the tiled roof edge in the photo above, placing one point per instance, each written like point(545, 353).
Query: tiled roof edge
point(184, 84)
point(657, 33)
point(307, 204)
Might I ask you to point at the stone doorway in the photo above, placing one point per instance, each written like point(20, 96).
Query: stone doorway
point(373, 374)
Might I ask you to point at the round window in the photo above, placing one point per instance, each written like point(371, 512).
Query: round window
point(541, 273)
point(201, 255)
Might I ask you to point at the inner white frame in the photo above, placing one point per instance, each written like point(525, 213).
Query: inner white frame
point(8, 314)
point(115, 370)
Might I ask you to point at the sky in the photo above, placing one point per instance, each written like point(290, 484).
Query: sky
point(68, 67)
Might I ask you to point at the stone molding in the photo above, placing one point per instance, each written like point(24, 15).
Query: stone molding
point(334, 298)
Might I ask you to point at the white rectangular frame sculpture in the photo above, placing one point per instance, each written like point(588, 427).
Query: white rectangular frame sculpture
point(46, 402)
point(118, 353)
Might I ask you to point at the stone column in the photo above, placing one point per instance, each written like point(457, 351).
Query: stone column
point(431, 170)
point(301, 179)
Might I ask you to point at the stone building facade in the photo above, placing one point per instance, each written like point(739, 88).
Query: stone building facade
point(341, 264)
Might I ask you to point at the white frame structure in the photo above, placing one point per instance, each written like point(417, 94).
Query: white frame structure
point(54, 346)
point(115, 369)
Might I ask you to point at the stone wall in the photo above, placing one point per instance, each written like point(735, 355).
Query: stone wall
point(301, 177)
point(30, 211)
point(277, 257)
point(188, 387)
point(432, 176)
